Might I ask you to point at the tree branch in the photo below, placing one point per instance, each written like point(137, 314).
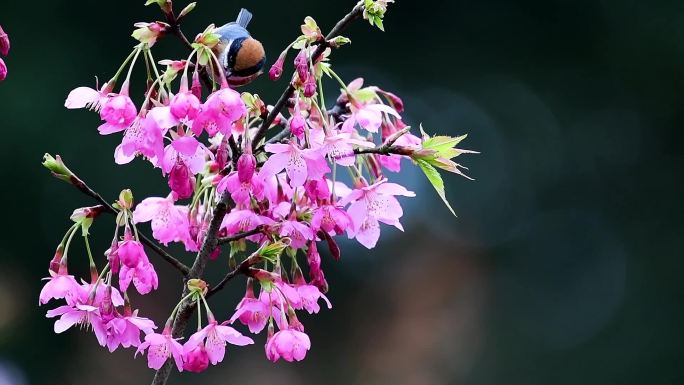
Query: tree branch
point(196, 271)
point(239, 236)
point(289, 91)
point(84, 188)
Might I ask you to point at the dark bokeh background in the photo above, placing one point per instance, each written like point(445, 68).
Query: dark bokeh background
point(563, 267)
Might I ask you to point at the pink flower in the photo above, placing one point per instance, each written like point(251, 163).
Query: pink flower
point(298, 233)
point(195, 360)
point(4, 42)
point(240, 191)
point(373, 204)
point(59, 285)
point(169, 222)
point(185, 105)
point(339, 147)
point(253, 313)
point(309, 295)
point(298, 164)
point(368, 116)
point(215, 337)
point(125, 331)
point(188, 151)
point(330, 219)
point(118, 112)
point(161, 347)
point(79, 314)
point(86, 97)
point(218, 113)
point(288, 344)
point(238, 221)
point(143, 275)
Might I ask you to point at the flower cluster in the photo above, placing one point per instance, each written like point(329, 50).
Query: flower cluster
point(323, 175)
point(4, 50)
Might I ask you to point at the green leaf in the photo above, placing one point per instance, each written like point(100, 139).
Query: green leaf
point(436, 180)
point(365, 94)
point(378, 22)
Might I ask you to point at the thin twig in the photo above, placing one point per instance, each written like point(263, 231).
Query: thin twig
point(239, 236)
point(84, 188)
point(289, 91)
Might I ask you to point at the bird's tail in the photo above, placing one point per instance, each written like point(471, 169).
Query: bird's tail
point(244, 18)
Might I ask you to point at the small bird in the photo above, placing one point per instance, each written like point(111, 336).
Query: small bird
point(241, 56)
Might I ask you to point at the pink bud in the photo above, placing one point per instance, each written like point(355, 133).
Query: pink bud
point(3, 70)
point(113, 257)
point(180, 180)
point(57, 258)
point(196, 87)
point(297, 124)
point(310, 86)
point(276, 69)
point(302, 65)
point(222, 154)
point(4, 42)
point(245, 167)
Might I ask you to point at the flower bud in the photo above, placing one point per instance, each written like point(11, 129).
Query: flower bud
point(180, 180)
point(297, 125)
point(4, 42)
point(310, 86)
point(3, 70)
point(126, 199)
point(57, 258)
point(277, 68)
point(196, 86)
point(245, 167)
point(59, 170)
point(302, 65)
point(197, 286)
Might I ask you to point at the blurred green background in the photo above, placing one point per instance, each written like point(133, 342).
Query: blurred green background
point(563, 267)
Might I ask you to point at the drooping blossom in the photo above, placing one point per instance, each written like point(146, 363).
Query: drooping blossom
point(161, 347)
point(59, 285)
point(289, 344)
point(118, 112)
point(218, 113)
point(142, 273)
point(125, 330)
point(130, 251)
point(195, 360)
point(86, 97)
point(371, 205)
point(215, 337)
point(299, 164)
point(3, 70)
point(252, 312)
point(169, 221)
point(243, 183)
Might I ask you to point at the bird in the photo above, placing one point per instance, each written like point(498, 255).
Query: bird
point(241, 56)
